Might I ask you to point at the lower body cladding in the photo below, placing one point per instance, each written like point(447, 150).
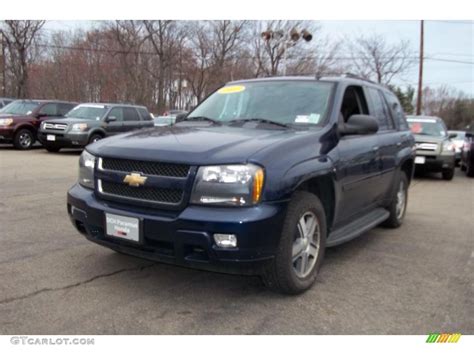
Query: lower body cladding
point(63, 140)
point(186, 238)
point(434, 163)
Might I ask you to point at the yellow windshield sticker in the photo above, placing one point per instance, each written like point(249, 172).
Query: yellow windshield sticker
point(231, 89)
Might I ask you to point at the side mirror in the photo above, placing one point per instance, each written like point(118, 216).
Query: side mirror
point(111, 119)
point(360, 124)
point(452, 135)
point(180, 117)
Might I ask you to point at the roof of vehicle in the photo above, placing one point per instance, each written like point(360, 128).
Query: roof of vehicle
point(423, 117)
point(108, 104)
point(43, 101)
point(349, 78)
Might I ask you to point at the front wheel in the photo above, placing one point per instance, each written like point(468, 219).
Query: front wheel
point(448, 174)
point(398, 205)
point(302, 245)
point(94, 138)
point(24, 139)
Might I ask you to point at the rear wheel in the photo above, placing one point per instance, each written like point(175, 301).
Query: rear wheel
point(302, 245)
point(24, 139)
point(398, 206)
point(448, 174)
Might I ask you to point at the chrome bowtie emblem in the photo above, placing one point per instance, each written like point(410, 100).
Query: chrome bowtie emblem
point(135, 179)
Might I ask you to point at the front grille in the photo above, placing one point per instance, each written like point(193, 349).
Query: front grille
point(426, 146)
point(146, 167)
point(143, 193)
point(55, 126)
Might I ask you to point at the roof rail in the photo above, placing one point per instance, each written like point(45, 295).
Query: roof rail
point(354, 76)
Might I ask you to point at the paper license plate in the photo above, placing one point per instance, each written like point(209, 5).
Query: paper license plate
point(50, 137)
point(420, 160)
point(122, 227)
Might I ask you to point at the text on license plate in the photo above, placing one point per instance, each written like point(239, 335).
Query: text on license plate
point(420, 160)
point(122, 227)
point(50, 137)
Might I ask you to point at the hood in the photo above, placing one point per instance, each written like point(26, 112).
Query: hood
point(428, 139)
point(193, 144)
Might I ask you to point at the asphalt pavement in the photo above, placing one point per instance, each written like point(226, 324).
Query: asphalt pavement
point(417, 279)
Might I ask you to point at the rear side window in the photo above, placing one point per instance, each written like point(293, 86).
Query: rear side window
point(397, 111)
point(144, 113)
point(380, 109)
point(130, 114)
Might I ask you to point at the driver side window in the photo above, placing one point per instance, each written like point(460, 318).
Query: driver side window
point(353, 103)
point(116, 112)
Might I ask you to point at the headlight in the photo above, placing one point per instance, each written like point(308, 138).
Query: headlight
point(231, 185)
point(448, 146)
point(79, 127)
point(86, 169)
point(6, 121)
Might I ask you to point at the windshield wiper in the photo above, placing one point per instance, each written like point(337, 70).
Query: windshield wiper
point(262, 120)
point(200, 118)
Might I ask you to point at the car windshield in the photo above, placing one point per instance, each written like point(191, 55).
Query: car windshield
point(20, 107)
point(87, 112)
point(427, 127)
point(286, 102)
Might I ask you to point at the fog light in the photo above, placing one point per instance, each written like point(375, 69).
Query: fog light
point(225, 240)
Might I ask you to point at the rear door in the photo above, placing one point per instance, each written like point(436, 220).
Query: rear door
point(388, 141)
point(114, 121)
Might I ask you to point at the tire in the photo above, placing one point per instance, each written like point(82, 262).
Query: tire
point(448, 174)
point(52, 149)
point(24, 139)
point(287, 273)
point(463, 167)
point(94, 138)
point(398, 205)
point(470, 168)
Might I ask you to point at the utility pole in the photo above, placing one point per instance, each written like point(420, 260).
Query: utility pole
point(419, 99)
point(2, 64)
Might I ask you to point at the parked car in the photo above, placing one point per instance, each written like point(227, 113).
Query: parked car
point(161, 121)
point(435, 152)
point(5, 101)
point(259, 179)
point(467, 156)
point(20, 120)
point(88, 123)
point(458, 140)
point(174, 112)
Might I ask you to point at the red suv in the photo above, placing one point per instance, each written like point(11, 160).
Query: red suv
point(21, 119)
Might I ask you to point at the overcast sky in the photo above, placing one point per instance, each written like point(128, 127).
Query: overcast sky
point(444, 40)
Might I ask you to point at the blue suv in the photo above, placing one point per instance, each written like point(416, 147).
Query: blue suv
point(259, 178)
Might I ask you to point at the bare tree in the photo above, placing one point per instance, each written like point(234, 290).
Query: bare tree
point(374, 58)
point(19, 38)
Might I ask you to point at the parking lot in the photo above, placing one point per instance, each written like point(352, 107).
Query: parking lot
point(414, 280)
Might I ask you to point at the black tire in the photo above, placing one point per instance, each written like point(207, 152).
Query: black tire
point(94, 138)
point(52, 149)
point(280, 274)
point(448, 174)
point(24, 139)
point(397, 211)
point(463, 167)
point(470, 169)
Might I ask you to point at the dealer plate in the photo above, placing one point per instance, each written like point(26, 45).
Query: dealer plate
point(51, 137)
point(420, 160)
point(122, 227)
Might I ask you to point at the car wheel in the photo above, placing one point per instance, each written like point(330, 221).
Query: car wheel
point(463, 167)
point(52, 149)
point(301, 248)
point(398, 205)
point(448, 174)
point(94, 138)
point(470, 169)
point(24, 139)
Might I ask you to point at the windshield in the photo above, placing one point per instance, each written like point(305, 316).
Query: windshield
point(427, 127)
point(87, 112)
point(20, 107)
point(288, 102)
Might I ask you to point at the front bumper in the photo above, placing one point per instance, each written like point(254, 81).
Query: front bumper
point(6, 134)
point(64, 139)
point(436, 163)
point(186, 238)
